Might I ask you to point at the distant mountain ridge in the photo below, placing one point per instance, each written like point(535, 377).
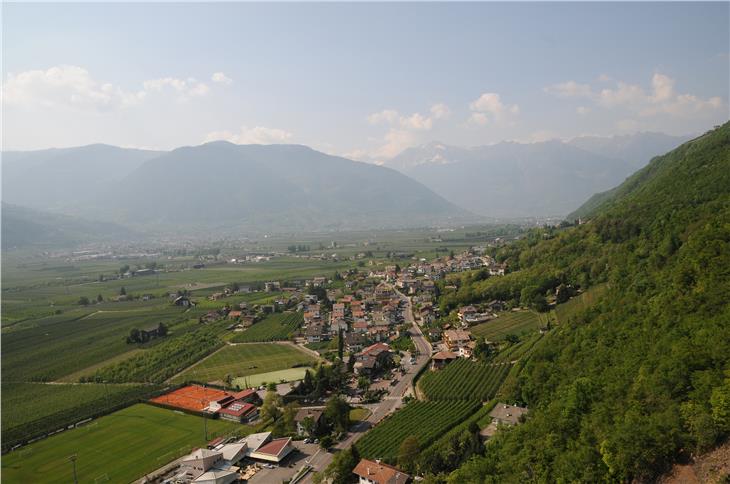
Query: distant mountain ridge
point(230, 188)
point(27, 227)
point(511, 179)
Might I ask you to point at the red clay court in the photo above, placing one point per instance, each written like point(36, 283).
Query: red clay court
point(191, 397)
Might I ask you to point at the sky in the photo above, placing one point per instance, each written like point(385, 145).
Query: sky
point(362, 80)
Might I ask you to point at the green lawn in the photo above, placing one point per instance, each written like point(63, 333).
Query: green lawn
point(245, 360)
point(122, 447)
point(512, 322)
point(291, 374)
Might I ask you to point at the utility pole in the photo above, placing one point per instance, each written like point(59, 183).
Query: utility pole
point(72, 458)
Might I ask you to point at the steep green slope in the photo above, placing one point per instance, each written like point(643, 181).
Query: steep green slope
point(624, 388)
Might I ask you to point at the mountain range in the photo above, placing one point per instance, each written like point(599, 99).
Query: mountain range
point(512, 180)
point(223, 187)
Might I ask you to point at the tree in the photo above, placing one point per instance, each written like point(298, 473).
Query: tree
point(363, 382)
point(307, 383)
point(99, 298)
point(122, 291)
point(124, 269)
point(340, 344)
point(340, 469)
point(161, 329)
point(482, 351)
point(289, 417)
point(83, 301)
point(408, 454)
point(325, 442)
point(337, 413)
point(133, 336)
point(270, 408)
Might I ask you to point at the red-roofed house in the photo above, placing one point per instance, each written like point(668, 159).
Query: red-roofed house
point(375, 472)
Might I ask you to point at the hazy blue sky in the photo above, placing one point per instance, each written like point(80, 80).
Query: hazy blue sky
point(361, 79)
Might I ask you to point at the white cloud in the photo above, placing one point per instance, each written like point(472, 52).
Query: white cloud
point(386, 116)
point(65, 86)
point(403, 129)
point(489, 107)
point(582, 110)
point(221, 78)
point(660, 99)
point(258, 135)
point(183, 87)
point(440, 111)
point(69, 86)
point(569, 89)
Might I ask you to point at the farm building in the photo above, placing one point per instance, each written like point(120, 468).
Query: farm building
point(502, 414)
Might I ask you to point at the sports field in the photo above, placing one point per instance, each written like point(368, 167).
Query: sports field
point(245, 360)
point(190, 397)
point(120, 447)
point(292, 374)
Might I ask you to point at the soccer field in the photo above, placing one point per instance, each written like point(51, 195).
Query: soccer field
point(245, 360)
point(120, 447)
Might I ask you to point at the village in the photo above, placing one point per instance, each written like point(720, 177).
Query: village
point(376, 330)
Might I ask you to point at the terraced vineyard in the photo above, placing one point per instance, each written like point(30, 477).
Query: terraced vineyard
point(276, 327)
point(383, 441)
point(464, 380)
point(564, 312)
point(513, 322)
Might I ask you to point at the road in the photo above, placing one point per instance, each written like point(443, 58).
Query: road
point(391, 402)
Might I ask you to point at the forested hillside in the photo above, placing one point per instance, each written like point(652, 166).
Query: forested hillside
point(625, 388)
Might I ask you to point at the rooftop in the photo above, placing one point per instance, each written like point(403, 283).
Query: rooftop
point(380, 473)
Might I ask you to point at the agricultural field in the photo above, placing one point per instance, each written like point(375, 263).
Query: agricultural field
point(275, 327)
point(30, 409)
point(120, 447)
point(163, 361)
point(517, 322)
point(48, 349)
point(383, 441)
point(246, 359)
point(464, 380)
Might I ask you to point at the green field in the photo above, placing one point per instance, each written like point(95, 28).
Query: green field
point(475, 381)
point(517, 322)
point(275, 327)
point(245, 360)
point(33, 408)
point(292, 374)
point(120, 447)
point(425, 420)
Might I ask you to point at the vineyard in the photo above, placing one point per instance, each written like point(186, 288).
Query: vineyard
point(276, 327)
point(508, 323)
point(517, 351)
point(162, 361)
point(464, 380)
point(384, 440)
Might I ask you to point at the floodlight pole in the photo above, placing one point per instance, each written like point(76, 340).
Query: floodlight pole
point(72, 458)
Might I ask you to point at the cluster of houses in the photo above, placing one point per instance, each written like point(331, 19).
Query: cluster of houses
point(371, 314)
